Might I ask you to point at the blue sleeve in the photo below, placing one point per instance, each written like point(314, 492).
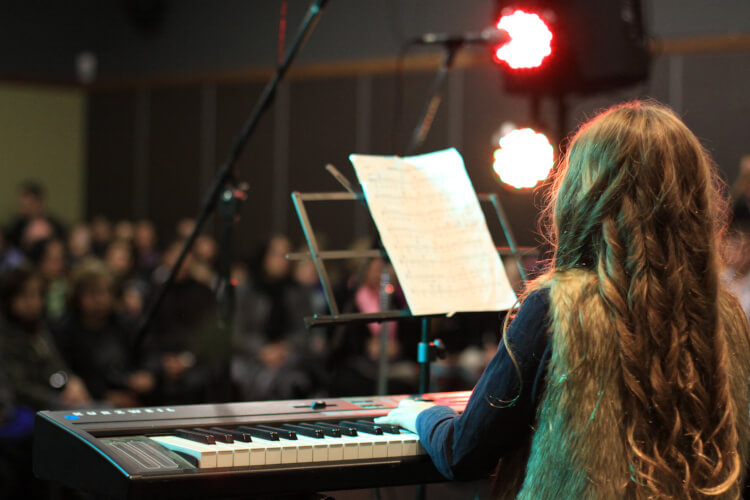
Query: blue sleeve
point(501, 411)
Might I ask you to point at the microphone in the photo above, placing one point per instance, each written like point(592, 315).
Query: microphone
point(490, 36)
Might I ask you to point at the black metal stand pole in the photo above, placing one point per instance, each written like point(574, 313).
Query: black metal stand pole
point(227, 176)
point(428, 115)
point(424, 357)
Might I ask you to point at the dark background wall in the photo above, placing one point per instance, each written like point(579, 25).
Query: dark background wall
point(168, 101)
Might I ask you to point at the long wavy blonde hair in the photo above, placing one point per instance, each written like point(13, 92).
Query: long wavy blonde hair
point(638, 204)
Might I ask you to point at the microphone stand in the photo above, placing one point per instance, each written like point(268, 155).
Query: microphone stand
point(428, 114)
point(229, 190)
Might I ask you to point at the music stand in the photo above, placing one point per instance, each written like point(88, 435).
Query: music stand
point(426, 351)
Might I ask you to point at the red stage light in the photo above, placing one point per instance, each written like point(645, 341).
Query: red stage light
point(530, 40)
point(524, 158)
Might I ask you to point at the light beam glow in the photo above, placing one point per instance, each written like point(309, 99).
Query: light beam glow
point(524, 158)
point(530, 40)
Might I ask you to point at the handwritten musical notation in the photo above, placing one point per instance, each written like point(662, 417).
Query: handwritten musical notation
point(434, 231)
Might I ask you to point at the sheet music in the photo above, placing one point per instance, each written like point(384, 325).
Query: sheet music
point(434, 231)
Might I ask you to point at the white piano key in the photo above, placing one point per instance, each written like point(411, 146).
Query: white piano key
point(379, 445)
point(364, 446)
point(411, 443)
point(281, 451)
point(320, 447)
point(205, 454)
point(335, 449)
point(350, 448)
point(240, 453)
point(272, 448)
point(304, 450)
point(259, 454)
point(395, 444)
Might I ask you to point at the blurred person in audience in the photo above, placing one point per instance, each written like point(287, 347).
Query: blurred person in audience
point(119, 259)
point(204, 260)
point(184, 228)
point(131, 306)
point(740, 193)
point(49, 257)
point(37, 374)
point(736, 275)
point(146, 252)
point(33, 377)
point(272, 358)
point(306, 277)
point(124, 231)
point(356, 348)
point(79, 243)
point(93, 339)
point(31, 207)
point(240, 275)
point(16, 426)
point(38, 229)
point(185, 337)
point(101, 235)
point(10, 256)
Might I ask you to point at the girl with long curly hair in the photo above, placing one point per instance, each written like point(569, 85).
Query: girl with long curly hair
point(624, 374)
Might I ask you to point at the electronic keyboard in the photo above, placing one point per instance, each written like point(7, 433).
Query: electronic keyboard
point(233, 449)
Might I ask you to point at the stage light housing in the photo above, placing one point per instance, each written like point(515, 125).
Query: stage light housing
point(524, 159)
point(593, 45)
point(530, 40)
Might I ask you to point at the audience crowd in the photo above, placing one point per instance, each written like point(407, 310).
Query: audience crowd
point(72, 299)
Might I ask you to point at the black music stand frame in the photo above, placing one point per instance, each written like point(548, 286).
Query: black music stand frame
point(426, 350)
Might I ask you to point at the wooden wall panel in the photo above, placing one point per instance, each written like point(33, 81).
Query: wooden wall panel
point(174, 191)
point(322, 130)
point(111, 149)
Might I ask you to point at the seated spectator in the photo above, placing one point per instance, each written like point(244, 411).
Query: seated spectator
point(184, 228)
point(37, 375)
point(356, 348)
point(94, 341)
point(32, 207)
point(146, 252)
point(205, 250)
point(119, 259)
point(79, 243)
point(36, 230)
point(50, 260)
point(192, 351)
point(741, 196)
point(736, 274)
point(124, 231)
point(271, 353)
point(101, 235)
point(10, 256)
point(16, 427)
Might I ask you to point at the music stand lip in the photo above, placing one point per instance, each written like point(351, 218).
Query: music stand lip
point(353, 318)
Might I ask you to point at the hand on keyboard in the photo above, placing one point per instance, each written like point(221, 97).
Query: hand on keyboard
point(405, 414)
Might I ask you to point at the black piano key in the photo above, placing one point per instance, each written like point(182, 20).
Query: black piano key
point(198, 437)
point(328, 431)
point(260, 433)
point(220, 437)
point(345, 430)
point(237, 435)
point(367, 428)
point(389, 428)
point(305, 431)
point(283, 433)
